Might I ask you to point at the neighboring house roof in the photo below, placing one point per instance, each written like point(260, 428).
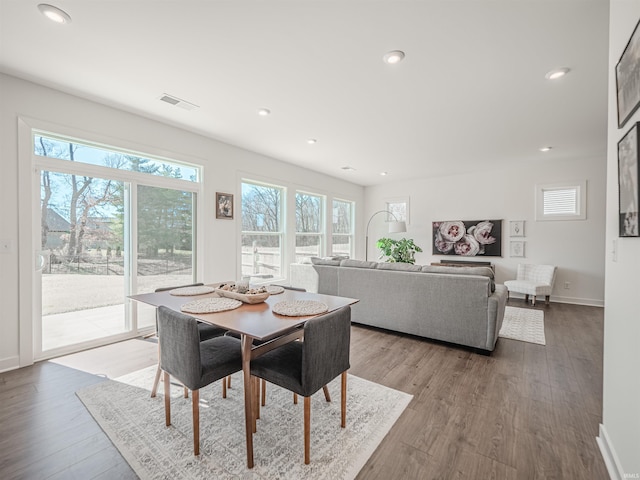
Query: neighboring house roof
point(56, 222)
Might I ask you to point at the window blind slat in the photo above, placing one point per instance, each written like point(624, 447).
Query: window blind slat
point(560, 201)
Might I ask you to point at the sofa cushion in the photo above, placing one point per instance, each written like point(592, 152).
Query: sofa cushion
point(358, 264)
point(397, 266)
point(325, 261)
point(481, 271)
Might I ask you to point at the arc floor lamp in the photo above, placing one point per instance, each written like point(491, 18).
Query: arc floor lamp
point(397, 226)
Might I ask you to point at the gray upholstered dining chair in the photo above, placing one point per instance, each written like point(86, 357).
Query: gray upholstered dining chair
point(263, 384)
point(307, 366)
point(194, 363)
point(206, 332)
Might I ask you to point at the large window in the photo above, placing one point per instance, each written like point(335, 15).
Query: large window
point(309, 226)
point(262, 230)
point(342, 228)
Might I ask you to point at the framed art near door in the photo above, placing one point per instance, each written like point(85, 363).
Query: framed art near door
point(628, 148)
point(628, 79)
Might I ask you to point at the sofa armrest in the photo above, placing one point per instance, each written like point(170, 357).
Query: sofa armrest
point(303, 275)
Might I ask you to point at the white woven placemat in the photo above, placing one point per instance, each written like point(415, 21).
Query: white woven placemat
point(188, 291)
point(274, 289)
point(299, 308)
point(210, 305)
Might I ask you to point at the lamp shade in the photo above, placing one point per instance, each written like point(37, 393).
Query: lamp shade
point(397, 227)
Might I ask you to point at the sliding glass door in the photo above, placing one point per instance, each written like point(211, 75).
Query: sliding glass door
point(165, 240)
point(82, 258)
point(111, 224)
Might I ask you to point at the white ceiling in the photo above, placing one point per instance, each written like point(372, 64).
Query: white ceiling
point(470, 94)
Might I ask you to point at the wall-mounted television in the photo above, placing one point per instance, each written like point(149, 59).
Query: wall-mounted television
point(468, 238)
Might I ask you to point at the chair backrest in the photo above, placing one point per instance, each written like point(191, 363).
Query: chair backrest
point(179, 346)
point(325, 353)
point(544, 274)
point(164, 289)
point(297, 289)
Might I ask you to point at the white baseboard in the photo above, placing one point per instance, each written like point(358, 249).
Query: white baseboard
point(609, 455)
point(589, 302)
point(9, 363)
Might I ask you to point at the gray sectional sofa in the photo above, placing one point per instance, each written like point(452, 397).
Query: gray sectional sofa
point(460, 305)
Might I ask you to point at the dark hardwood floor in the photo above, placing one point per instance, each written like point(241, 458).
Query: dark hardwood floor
point(525, 412)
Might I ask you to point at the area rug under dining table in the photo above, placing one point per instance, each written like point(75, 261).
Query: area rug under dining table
point(135, 424)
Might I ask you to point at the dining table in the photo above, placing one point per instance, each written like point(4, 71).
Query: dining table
point(255, 321)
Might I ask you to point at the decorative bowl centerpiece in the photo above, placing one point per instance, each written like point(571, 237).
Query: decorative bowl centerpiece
point(243, 293)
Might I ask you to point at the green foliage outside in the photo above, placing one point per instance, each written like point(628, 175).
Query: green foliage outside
point(402, 251)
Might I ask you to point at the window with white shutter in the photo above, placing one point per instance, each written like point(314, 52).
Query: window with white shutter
point(562, 201)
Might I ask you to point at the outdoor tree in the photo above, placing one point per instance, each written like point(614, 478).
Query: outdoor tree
point(81, 197)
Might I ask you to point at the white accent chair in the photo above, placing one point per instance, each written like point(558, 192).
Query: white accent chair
point(533, 280)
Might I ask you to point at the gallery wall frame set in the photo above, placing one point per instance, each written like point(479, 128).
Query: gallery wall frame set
point(628, 180)
point(628, 78)
point(224, 206)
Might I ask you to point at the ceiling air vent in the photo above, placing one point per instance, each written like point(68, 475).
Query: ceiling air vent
point(171, 100)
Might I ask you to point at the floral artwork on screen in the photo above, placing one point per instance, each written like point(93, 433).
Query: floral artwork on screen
point(468, 238)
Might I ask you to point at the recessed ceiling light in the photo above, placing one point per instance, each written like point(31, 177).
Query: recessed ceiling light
point(393, 57)
point(263, 112)
point(54, 13)
point(545, 149)
point(557, 73)
point(311, 141)
point(384, 174)
point(346, 168)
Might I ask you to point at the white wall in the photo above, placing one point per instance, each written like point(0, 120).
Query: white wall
point(576, 247)
point(224, 165)
point(620, 431)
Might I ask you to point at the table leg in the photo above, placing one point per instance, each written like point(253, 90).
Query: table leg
point(247, 343)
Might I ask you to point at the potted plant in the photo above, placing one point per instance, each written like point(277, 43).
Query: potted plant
point(402, 250)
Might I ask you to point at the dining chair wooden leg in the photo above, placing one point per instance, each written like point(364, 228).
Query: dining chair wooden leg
point(307, 429)
point(229, 381)
point(224, 388)
point(295, 398)
point(257, 397)
point(327, 397)
point(195, 402)
point(156, 381)
point(186, 392)
point(252, 400)
point(263, 399)
point(343, 400)
point(167, 400)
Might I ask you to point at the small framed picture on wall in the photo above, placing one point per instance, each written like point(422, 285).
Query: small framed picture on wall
point(224, 205)
point(516, 249)
point(516, 228)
